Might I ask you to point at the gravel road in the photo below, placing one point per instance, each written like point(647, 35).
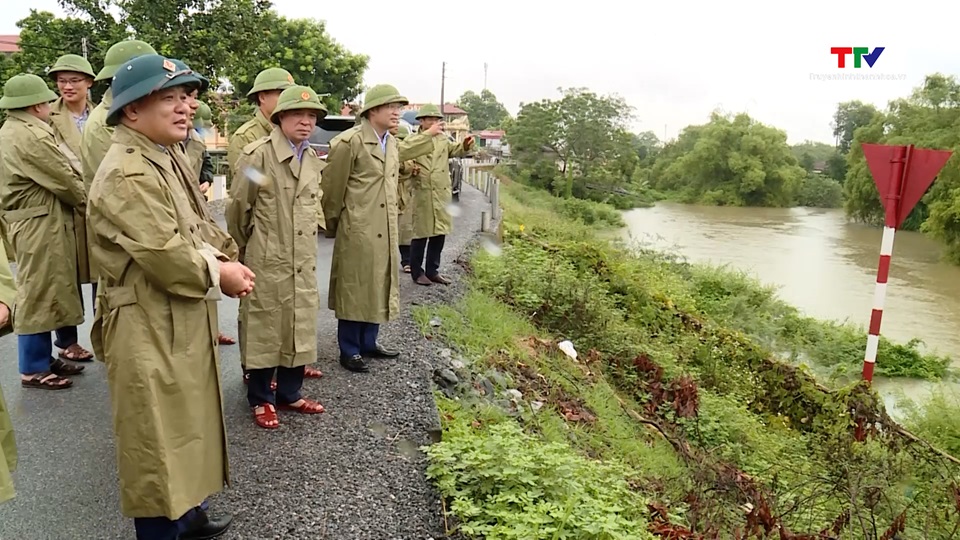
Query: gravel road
point(353, 473)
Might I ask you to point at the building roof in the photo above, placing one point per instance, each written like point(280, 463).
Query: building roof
point(489, 134)
point(8, 43)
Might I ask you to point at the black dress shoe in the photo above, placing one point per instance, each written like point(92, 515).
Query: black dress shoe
point(380, 352)
point(354, 363)
point(203, 527)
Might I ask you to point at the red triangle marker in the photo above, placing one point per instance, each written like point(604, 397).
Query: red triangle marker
point(921, 168)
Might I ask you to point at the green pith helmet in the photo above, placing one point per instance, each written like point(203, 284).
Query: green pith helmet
point(204, 82)
point(270, 79)
point(296, 98)
point(143, 76)
point(203, 117)
point(402, 132)
point(381, 94)
point(25, 90)
point(429, 110)
point(120, 53)
point(71, 62)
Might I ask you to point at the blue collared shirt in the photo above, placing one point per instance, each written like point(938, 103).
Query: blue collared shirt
point(383, 140)
point(299, 150)
point(81, 120)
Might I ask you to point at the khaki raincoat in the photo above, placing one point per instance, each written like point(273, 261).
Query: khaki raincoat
point(94, 145)
point(404, 206)
point(188, 162)
point(360, 205)
point(39, 190)
point(433, 189)
point(156, 330)
point(257, 127)
point(275, 225)
point(70, 140)
point(8, 446)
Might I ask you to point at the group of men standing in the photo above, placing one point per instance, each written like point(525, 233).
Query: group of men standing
point(130, 177)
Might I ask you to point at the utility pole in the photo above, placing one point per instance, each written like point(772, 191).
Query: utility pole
point(443, 82)
point(484, 75)
point(83, 47)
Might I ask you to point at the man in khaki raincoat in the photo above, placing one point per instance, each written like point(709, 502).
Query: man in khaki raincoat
point(196, 159)
point(8, 446)
point(264, 94)
point(272, 215)
point(432, 193)
point(405, 210)
point(96, 133)
point(360, 206)
point(201, 124)
point(74, 77)
point(39, 190)
point(156, 325)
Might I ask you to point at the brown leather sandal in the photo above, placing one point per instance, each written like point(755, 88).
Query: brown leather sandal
point(46, 381)
point(311, 372)
point(64, 369)
point(76, 353)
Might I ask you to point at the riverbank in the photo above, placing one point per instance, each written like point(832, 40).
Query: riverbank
point(671, 415)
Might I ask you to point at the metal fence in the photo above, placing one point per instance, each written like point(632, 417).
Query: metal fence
point(479, 174)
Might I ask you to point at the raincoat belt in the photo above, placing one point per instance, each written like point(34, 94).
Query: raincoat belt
point(25, 213)
point(115, 297)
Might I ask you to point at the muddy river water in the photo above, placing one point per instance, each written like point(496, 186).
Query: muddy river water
point(822, 264)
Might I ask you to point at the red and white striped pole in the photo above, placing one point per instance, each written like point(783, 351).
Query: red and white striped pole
point(891, 200)
point(879, 295)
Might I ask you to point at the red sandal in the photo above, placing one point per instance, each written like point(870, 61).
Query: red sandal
point(268, 418)
point(308, 406)
point(311, 372)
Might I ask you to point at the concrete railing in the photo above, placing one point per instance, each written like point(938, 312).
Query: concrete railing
point(479, 174)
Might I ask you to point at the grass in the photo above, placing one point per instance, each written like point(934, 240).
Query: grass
point(675, 392)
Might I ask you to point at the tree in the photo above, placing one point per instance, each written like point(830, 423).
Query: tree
point(230, 39)
point(484, 111)
point(928, 118)
point(305, 49)
point(851, 115)
point(730, 161)
point(44, 38)
point(646, 144)
point(583, 134)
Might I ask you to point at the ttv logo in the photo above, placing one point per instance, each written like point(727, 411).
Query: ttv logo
point(858, 54)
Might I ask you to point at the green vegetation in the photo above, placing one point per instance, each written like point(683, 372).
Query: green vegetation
point(675, 389)
point(927, 119)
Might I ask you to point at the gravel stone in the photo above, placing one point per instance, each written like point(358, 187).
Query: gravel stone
point(355, 472)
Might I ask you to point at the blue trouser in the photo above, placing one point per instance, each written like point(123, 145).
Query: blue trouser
point(356, 337)
point(289, 383)
point(161, 528)
point(35, 350)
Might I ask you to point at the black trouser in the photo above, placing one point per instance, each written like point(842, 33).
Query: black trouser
point(404, 256)
point(289, 383)
point(433, 247)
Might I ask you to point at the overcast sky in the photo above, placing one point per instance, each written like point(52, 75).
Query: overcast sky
point(673, 64)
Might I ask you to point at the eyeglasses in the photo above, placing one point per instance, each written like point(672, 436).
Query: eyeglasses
point(72, 82)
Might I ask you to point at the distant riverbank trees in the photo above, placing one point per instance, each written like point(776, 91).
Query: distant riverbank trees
point(579, 146)
point(929, 118)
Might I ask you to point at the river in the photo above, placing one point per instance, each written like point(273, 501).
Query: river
point(824, 265)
